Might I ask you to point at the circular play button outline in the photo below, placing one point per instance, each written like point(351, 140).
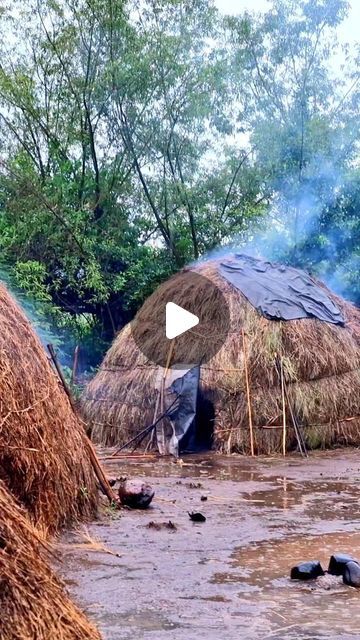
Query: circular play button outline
point(178, 320)
point(187, 317)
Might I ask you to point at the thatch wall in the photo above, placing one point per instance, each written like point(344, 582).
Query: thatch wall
point(33, 601)
point(321, 365)
point(43, 458)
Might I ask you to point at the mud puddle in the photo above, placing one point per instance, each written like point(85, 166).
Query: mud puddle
point(228, 577)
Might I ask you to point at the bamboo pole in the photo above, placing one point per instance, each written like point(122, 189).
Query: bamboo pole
point(248, 393)
point(167, 366)
point(297, 429)
point(105, 485)
point(75, 365)
point(60, 374)
point(162, 397)
point(152, 434)
point(283, 406)
point(285, 397)
point(140, 436)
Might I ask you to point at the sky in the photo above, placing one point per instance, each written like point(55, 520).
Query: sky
point(348, 31)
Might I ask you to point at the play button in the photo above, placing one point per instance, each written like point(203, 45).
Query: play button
point(178, 320)
point(164, 328)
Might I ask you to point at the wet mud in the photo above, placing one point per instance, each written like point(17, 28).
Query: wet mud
point(226, 578)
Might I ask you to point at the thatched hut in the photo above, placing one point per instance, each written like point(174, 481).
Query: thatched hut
point(320, 363)
point(33, 601)
point(43, 457)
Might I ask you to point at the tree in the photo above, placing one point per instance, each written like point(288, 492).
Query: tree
point(137, 136)
point(302, 119)
point(118, 168)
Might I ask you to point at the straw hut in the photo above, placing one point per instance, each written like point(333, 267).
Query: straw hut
point(43, 456)
point(320, 363)
point(33, 601)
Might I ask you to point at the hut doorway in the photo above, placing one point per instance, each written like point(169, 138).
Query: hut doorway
point(201, 434)
point(205, 420)
point(192, 415)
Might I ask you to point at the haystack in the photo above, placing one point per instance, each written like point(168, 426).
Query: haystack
point(321, 364)
point(33, 601)
point(43, 456)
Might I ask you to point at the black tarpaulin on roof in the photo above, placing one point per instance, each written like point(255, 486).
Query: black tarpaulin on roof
point(279, 292)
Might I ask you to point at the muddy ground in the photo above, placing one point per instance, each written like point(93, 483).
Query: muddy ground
point(228, 577)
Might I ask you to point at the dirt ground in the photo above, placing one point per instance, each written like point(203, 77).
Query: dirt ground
point(226, 578)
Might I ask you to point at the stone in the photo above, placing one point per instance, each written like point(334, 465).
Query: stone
point(351, 574)
point(337, 563)
point(307, 571)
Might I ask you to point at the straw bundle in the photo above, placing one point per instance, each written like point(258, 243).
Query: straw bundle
point(320, 362)
point(33, 601)
point(43, 457)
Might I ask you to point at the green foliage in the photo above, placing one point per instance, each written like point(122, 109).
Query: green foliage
point(303, 119)
point(137, 137)
point(111, 112)
point(30, 276)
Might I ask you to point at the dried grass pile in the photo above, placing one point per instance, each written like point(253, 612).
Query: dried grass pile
point(43, 458)
point(33, 601)
point(321, 364)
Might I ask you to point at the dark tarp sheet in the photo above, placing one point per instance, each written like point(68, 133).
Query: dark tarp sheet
point(183, 414)
point(279, 292)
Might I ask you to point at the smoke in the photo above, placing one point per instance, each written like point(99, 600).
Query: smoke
point(63, 340)
point(303, 130)
point(313, 225)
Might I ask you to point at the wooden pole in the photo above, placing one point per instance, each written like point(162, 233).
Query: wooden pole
point(103, 481)
point(248, 393)
point(145, 431)
point(285, 397)
point(162, 398)
point(152, 433)
point(283, 406)
point(60, 374)
point(297, 429)
point(75, 365)
point(167, 366)
point(98, 470)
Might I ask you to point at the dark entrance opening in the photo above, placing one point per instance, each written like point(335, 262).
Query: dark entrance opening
point(201, 436)
point(205, 420)
point(192, 416)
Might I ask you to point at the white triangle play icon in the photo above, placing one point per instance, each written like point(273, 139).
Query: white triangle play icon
point(178, 320)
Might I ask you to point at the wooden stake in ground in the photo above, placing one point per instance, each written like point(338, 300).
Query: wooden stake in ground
point(248, 393)
point(283, 406)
